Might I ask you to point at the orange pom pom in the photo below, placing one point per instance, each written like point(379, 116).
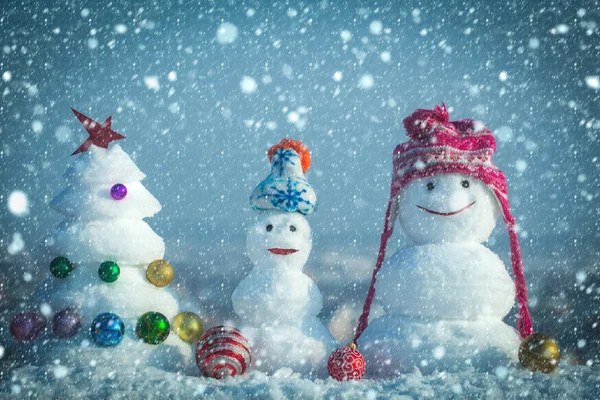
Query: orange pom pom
point(296, 145)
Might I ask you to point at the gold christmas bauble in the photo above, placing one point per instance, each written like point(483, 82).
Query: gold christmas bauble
point(160, 273)
point(539, 352)
point(188, 326)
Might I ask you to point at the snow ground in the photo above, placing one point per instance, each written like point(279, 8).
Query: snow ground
point(146, 382)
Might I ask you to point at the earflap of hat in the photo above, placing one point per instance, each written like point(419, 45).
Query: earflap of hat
point(391, 214)
point(524, 320)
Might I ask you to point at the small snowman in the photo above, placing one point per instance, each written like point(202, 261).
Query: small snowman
point(446, 296)
point(277, 303)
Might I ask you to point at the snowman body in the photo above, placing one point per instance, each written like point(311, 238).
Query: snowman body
point(277, 303)
point(445, 297)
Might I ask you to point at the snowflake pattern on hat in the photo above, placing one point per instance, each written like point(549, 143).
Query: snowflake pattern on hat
point(285, 188)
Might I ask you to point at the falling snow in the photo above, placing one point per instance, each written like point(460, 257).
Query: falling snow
point(121, 29)
point(521, 165)
point(92, 43)
point(248, 85)
point(227, 33)
point(151, 82)
point(366, 81)
point(560, 29)
point(16, 245)
point(201, 91)
point(534, 43)
point(385, 56)
point(346, 35)
point(18, 203)
point(63, 134)
point(593, 82)
point(376, 27)
point(37, 126)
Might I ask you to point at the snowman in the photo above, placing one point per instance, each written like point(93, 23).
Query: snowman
point(277, 303)
point(445, 296)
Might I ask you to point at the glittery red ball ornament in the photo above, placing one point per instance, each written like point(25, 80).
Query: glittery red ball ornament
point(346, 364)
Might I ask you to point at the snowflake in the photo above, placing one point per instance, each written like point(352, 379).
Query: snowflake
point(290, 198)
point(283, 156)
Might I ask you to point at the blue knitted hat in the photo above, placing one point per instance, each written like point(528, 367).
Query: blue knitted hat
point(286, 188)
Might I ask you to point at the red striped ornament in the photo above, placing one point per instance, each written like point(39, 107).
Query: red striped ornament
point(223, 351)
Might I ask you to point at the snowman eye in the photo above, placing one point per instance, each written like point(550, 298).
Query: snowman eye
point(430, 186)
point(465, 184)
point(269, 228)
point(292, 228)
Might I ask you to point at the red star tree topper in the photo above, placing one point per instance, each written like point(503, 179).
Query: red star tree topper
point(101, 134)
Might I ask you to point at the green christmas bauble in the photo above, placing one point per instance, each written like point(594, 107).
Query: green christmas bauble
point(109, 271)
point(153, 327)
point(60, 267)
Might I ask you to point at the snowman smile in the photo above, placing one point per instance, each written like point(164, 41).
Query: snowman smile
point(282, 252)
point(445, 214)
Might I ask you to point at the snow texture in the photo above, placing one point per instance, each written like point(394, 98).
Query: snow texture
point(94, 202)
point(119, 383)
point(100, 166)
point(120, 240)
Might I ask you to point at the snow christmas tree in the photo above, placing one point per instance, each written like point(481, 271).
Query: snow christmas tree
point(108, 273)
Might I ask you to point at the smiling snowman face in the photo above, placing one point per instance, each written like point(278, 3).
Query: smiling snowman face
point(279, 239)
point(447, 208)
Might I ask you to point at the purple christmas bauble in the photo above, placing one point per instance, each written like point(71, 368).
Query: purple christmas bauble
point(118, 191)
point(27, 326)
point(66, 323)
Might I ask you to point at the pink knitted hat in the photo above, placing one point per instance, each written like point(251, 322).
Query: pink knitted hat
point(439, 146)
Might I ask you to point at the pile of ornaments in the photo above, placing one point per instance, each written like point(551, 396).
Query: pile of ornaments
point(108, 329)
point(221, 352)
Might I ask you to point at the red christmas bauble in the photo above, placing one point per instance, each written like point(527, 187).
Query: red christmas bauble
point(346, 364)
point(223, 351)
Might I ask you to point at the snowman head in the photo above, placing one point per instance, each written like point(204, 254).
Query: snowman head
point(279, 240)
point(447, 208)
point(281, 236)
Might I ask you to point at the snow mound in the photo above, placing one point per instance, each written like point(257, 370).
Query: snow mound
point(53, 381)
